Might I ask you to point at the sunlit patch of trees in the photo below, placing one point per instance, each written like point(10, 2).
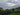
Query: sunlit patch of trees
point(9, 11)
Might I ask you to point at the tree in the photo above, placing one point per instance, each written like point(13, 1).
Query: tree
point(18, 8)
point(13, 9)
point(1, 11)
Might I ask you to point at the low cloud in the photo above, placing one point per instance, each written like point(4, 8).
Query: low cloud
point(11, 4)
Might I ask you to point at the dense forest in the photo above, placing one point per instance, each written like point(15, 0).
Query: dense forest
point(12, 11)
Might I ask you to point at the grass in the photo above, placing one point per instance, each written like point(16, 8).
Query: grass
point(14, 14)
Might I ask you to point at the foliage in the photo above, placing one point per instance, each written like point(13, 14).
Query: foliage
point(9, 11)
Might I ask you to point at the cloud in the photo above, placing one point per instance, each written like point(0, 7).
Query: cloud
point(5, 3)
point(12, 0)
point(16, 0)
point(11, 4)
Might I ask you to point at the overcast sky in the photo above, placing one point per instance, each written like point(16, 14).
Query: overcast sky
point(9, 3)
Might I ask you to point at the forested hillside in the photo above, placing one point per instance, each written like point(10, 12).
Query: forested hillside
point(12, 11)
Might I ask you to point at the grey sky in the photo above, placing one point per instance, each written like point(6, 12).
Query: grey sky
point(4, 5)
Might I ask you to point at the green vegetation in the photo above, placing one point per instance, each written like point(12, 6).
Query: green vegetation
point(12, 11)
